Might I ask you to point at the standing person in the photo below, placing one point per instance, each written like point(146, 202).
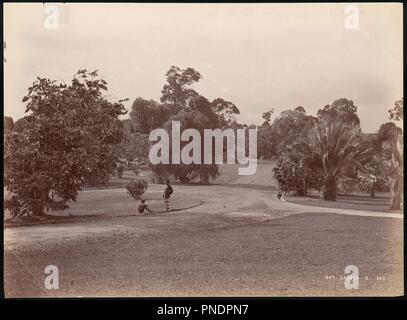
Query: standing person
point(167, 194)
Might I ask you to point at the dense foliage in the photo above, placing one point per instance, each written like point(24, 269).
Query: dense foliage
point(136, 188)
point(179, 102)
point(65, 142)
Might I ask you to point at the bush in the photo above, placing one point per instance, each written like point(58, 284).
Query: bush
point(136, 188)
point(297, 177)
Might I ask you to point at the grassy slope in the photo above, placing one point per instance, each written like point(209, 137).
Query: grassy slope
point(263, 176)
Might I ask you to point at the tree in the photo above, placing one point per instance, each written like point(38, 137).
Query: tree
point(134, 145)
point(8, 123)
point(393, 135)
point(397, 112)
point(8, 127)
point(378, 171)
point(177, 92)
point(286, 129)
point(64, 142)
point(342, 110)
point(299, 169)
point(198, 115)
point(193, 111)
point(267, 115)
point(147, 115)
point(338, 146)
point(226, 111)
point(179, 102)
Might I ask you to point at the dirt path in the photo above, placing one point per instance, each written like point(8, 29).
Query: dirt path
point(218, 202)
point(222, 201)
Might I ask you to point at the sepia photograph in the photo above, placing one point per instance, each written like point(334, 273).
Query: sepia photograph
point(186, 150)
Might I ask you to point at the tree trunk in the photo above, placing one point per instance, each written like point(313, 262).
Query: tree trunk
point(396, 193)
point(183, 179)
point(329, 192)
point(372, 194)
point(300, 193)
point(397, 185)
point(38, 211)
point(204, 177)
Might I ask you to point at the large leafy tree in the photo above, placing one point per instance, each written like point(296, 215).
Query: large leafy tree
point(177, 90)
point(8, 123)
point(226, 111)
point(198, 115)
point(64, 142)
point(180, 102)
point(378, 167)
point(343, 110)
point(147, 115)
point(8, 127)
point(288, 128)
point(135, 144)
point(396, 113)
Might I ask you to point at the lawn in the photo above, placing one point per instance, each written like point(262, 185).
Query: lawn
point(291, 256)
point(352, 201)
point(98, 203)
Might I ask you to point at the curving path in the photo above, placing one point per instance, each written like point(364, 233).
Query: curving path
point(221, 201)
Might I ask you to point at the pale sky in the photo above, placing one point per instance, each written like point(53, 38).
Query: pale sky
point(255, 55)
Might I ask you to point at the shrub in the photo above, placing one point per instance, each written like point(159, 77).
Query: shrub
point(296, 176)
point(136, 188)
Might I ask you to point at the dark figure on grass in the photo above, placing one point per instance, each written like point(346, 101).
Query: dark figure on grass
point(167, 194)
point(143, 206)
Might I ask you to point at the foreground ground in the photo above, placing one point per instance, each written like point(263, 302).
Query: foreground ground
point(239, 242)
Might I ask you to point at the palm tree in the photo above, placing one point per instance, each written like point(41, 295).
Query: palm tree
point(338, 145)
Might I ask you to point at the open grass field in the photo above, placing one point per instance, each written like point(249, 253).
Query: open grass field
point(263, 177)
point(214, 256)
